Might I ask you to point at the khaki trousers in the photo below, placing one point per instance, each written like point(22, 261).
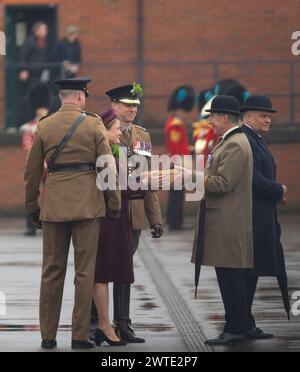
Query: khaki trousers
point(56, 242)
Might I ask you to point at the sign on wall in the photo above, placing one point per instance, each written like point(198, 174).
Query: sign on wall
point(2, 44)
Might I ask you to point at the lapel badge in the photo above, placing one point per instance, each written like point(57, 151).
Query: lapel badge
point(209, 161)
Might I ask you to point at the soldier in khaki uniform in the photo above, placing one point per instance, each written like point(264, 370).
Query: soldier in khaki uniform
point(145, 211)
point(72, 207)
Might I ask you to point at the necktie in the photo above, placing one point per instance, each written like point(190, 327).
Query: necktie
point(126, 134)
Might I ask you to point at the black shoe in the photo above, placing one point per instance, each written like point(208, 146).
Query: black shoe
point(226, 339)
point(85, 344)
point(100, 337)
point(257, 334)
point(129, 336)
point(49, 344)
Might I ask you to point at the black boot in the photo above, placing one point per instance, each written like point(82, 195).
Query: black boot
point(121, 313)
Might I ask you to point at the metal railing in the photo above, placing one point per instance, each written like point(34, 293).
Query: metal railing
point(217, 71)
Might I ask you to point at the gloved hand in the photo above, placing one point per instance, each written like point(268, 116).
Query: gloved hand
point(113, 215)
point(157, 231)
point(35, 219)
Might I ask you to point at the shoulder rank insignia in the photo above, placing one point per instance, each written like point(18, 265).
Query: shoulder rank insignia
point(143, 129)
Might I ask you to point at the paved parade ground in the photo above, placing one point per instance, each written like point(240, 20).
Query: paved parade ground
point(164, 310)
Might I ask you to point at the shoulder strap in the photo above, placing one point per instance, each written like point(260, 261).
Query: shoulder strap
point(66, 139)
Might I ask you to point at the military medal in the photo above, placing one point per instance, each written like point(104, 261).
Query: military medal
point(142, 148)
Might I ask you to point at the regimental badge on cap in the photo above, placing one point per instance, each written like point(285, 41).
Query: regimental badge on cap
point(130, 94)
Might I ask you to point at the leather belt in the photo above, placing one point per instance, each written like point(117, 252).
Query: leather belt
point(71, 168)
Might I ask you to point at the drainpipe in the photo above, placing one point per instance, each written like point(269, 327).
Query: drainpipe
point(140, 50)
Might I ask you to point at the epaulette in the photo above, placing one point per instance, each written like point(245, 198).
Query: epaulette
point(143, 129)
point(177, 121)
point(46, 116)
point(92, 114)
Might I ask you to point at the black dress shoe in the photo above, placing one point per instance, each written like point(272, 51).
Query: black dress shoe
point(100, 337)
point(48, 344)
point(226, 339)
point(257, 334)
point(129, 336)
point(85, 344)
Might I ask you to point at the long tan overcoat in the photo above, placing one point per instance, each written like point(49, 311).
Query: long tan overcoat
point(228, 241)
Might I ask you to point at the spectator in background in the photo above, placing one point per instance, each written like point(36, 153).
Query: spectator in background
point(40, 100)
point(181, 102)
point(33, 54)
point(68, 52)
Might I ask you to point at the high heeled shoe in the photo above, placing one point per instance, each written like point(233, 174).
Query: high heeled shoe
point(101, 337)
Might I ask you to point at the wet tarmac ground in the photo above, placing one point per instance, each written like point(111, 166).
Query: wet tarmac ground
point(164, 310)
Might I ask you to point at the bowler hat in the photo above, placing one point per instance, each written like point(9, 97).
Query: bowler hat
point(225, 105)
point(258, 103)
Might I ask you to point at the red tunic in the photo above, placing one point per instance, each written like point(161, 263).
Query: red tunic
point(204, 137)
point(176, 137)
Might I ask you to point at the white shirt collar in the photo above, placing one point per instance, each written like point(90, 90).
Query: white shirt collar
point(229, 131)
point(249, 126)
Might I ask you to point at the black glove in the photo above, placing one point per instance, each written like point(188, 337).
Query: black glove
point(35, 219)
point(113, 215)
point(157, 231)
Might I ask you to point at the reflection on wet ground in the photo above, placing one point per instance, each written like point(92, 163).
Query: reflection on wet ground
point(21, 258)
point(208, 308)
point(63, 328)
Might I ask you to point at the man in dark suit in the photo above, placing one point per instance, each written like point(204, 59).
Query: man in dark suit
point(267, 192)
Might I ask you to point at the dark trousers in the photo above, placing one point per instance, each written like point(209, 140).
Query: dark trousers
point(238, 291)
point(175, 209)
point(30, 228)
point(251, 284)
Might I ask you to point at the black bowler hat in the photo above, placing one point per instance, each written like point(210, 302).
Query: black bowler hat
point(130, 94)
point(74, 84)
point(225, 105)
point(258, 103)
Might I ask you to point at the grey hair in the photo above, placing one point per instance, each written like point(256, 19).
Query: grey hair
point(67, 93)
point(235, 119)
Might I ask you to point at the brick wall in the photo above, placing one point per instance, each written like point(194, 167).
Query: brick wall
point(181, 38)
point(13, 159)
point(11, 176)
point(178, 35)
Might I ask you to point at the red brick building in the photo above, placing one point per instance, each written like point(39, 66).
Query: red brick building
point(164, 43)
